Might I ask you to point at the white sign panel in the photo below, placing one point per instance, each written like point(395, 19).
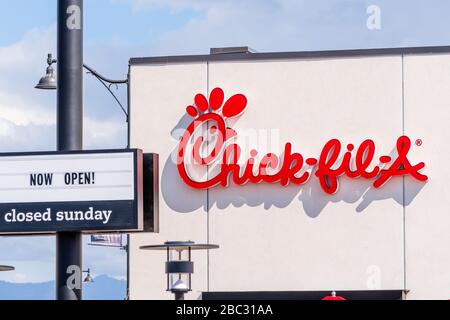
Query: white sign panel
point(52, 178)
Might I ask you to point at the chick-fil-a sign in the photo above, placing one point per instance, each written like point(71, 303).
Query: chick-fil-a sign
point(210, 126)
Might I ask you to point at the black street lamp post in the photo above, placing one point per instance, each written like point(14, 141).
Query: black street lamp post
point(69, 135)
point(69, 85)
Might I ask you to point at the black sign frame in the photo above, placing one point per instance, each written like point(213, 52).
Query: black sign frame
point(136, 221)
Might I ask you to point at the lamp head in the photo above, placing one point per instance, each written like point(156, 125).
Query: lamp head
point(6, 268)
point(89, 278)
point(48, 82)
point(180, 286)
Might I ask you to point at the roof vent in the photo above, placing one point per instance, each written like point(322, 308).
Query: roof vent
point(227, 50)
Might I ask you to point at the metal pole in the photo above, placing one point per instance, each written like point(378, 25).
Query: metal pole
point(128, 267)
point(69, 135)
point(179, 296)
point(128, 147)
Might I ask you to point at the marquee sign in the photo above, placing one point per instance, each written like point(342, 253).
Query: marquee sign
point(291, 167)
point(72, 191)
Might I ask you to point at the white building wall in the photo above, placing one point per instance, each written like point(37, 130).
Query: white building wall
point(427, 117)
point(156, 93)
point(298, 238)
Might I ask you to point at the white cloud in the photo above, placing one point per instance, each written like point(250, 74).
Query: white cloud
point(175, 4)
point(30, 271)
point(272, 25)
point(20, 278)
point(28, 116)
point(296, 25)
point(22, 110)
point(105, 134)
point(206, 5)
point(28, 52)
point(30, 137)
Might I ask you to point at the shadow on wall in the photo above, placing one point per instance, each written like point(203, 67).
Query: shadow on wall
point(183, 199)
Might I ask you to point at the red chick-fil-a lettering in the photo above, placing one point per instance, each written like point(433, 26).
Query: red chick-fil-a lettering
point(224, 153)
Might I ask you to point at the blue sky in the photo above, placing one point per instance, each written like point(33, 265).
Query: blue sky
point(116, 30)
point(105, 20)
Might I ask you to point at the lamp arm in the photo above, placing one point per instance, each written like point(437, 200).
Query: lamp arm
point(51, 61)
point(99, 76)
point(102, 81)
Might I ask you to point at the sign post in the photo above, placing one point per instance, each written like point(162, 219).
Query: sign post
point(70, 135)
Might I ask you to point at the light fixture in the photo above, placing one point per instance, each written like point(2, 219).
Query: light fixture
point(179, 265)
point(48, 82)
point(88, 278)
point(6, 268)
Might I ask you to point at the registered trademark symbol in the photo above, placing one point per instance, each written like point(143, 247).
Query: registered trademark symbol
point(419, 142)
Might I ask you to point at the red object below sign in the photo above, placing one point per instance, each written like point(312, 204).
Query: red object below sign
point(334, 297)
point(292, 167)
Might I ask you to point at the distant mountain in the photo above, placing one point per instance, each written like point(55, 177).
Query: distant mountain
point(27, 291)
point(103, 288)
